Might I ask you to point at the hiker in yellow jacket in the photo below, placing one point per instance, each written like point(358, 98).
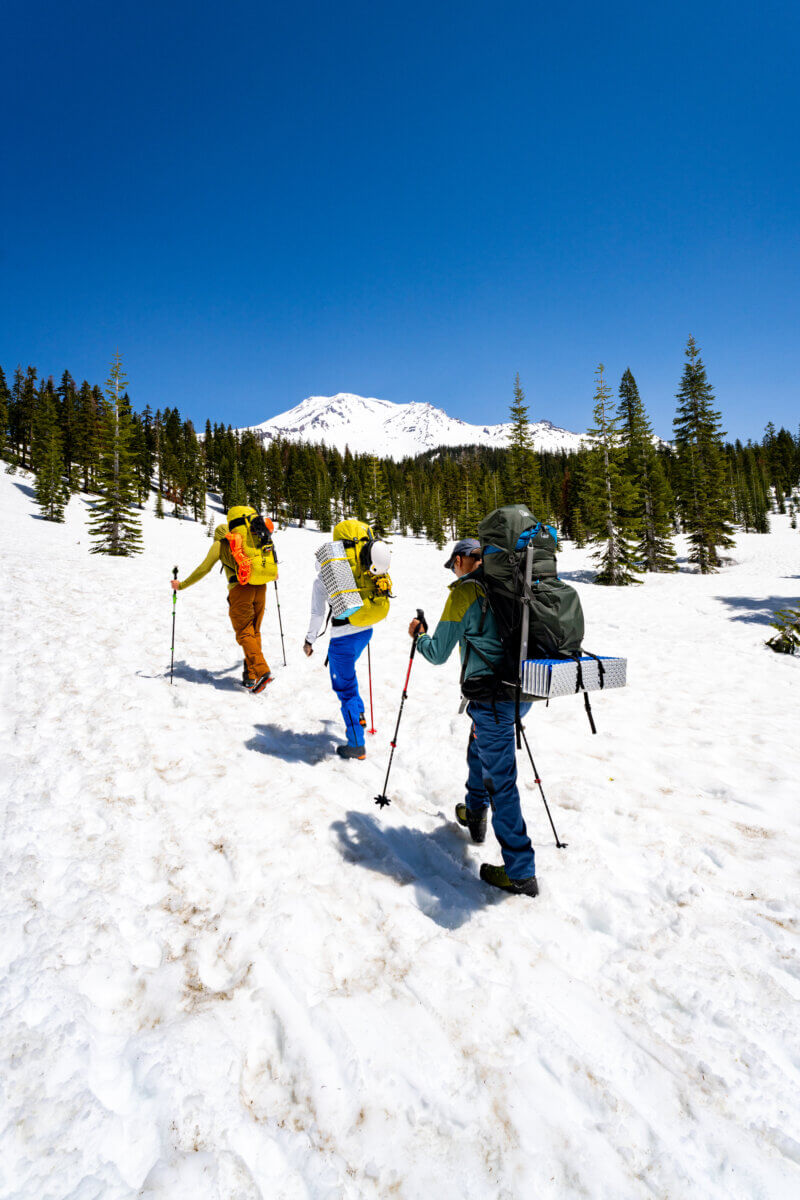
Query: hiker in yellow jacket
point(245, 548)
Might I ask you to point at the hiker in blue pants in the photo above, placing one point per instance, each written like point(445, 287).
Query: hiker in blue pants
point(343, 654)
point(492, 753)
point(346, 644)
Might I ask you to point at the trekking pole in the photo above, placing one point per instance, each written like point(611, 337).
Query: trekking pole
point(383, 799)
point(280, 622)
point(560, 845)
point(371, 713)
point(174, 607)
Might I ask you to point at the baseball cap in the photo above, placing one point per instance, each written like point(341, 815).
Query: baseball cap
point(470, 547)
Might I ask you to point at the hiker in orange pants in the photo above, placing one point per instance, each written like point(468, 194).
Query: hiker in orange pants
point(246, 603)
point(246, 551)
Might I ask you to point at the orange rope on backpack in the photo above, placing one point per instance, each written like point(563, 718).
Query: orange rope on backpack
point(243, 564)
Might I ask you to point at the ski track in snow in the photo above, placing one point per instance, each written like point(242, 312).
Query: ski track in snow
point(227, 974)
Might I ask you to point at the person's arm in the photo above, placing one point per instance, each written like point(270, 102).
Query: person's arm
point(205, 566)
point(438, 646)
point(319, 611)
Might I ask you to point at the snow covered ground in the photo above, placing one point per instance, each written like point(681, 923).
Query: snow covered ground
point(227, 974)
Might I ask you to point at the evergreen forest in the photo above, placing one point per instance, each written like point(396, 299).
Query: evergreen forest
point(624, 492)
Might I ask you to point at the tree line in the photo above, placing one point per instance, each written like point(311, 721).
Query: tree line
point(623, 491)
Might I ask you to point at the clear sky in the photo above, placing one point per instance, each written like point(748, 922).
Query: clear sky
point(256, 202)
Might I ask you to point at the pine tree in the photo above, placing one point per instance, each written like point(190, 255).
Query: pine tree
point(51, 488)
point(5, 399)
point(651, 499)
point(704, 491)
point(609, 496)
point(468, 516)
point(114, 525)
point(236, 494)
point(434, 527)
point(524, 467)
point(380, 504)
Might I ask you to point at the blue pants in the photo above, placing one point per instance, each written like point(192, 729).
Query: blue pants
point(343, 652)
point(492, 779)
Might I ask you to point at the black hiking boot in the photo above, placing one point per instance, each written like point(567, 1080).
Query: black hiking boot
point(497, 877)
point(474, 822)
point(348, 751)
point(247, 682)
point(261, 683)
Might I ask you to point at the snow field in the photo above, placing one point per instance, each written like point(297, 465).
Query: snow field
point(227, 974)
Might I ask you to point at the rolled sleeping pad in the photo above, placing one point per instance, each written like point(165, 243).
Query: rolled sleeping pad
point(337, 576)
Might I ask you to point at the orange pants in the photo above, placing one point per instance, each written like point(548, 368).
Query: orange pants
point(246, 603)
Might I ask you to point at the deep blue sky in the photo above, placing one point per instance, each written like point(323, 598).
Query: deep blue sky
point(256, 202)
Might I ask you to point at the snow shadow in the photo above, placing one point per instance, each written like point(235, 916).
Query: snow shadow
point(755, 610)
point(446, 885)
point(218, 679)
point(578, 576)
point(27, 491)
point(293, 747)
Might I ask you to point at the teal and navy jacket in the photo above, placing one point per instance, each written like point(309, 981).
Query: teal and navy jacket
point(464, 621)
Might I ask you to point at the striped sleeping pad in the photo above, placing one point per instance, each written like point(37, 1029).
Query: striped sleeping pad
point(337, 575)
point(553, 677)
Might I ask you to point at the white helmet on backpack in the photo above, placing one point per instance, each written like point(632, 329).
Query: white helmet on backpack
point(380, 557)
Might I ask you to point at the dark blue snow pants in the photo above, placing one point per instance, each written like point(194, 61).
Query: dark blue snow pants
point(492, 779)
point(343, 652)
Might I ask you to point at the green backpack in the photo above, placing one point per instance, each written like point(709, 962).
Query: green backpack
point(542, 609)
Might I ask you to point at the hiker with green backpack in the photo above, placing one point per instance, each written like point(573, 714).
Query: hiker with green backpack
point(491, 754)
point(509, 611)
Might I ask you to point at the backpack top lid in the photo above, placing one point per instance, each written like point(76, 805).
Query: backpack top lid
point(240, 514)
point(245, 518)
point(507, 532)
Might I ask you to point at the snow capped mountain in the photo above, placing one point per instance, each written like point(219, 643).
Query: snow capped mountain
point(372, 426)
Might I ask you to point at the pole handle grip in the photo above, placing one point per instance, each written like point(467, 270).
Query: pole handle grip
point(174, 572)
point(422, 621)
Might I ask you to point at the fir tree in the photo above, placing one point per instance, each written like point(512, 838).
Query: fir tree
point(609, 496)
point(704, 491)
point(114, 524)
point(524, 467)
point(651, 499)
point(468, 517)
point(434, 527)
point(51, 488)
point(380, 503)
point(5, 399)
point(236, 494)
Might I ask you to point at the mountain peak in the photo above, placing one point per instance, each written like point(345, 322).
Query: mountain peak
point(368, 425)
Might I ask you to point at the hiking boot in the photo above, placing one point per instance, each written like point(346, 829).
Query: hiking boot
point(497, 877)
point(348, 751)
point(261, 683)
point(247, 682)
point(474, 822)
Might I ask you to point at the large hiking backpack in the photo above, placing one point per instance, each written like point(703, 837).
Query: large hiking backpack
point(512, 541)
point(539, 617)
point(247, 551)
point(374, 590)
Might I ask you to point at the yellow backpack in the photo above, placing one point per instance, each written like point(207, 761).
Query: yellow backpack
point(374, 590)
point(247, 555)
